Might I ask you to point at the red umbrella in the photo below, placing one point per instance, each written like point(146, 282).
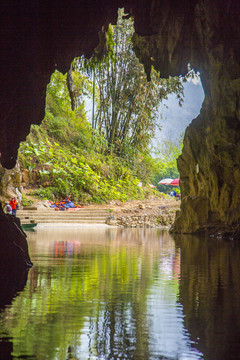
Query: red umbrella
point(165, 181)
point(175, 182)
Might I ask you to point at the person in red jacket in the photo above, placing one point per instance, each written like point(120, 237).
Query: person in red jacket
point(13, 204)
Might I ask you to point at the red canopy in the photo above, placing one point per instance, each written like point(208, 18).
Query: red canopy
point(175, 182)
point(165, 181)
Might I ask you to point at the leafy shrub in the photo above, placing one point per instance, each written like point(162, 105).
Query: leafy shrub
point(67, 158)
point(25, 201)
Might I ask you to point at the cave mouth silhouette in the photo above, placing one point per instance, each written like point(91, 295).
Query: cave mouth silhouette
point(39, 37)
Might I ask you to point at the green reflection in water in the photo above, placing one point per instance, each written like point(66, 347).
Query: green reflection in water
point(88, 294)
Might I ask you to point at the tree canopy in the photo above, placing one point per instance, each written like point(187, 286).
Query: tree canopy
point(127, 102)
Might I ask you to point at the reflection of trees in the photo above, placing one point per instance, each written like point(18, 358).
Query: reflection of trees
point(210, 293)
point(102, 287)
point(121, 327)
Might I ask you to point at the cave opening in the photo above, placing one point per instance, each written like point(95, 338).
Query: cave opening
point(69, 92)
point(167, 35)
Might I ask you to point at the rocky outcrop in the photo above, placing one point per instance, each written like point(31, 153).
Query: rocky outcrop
point(10, 184)
point(209, 167)
point(14, 247)
point(153, 213)
point(39, 37)
point(163, 221)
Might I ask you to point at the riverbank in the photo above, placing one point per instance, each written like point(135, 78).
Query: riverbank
point(154, 212)
point(158, 212)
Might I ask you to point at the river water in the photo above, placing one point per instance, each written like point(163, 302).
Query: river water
point(138, 294)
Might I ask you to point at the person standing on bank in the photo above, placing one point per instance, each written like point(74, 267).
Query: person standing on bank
point(13, 204)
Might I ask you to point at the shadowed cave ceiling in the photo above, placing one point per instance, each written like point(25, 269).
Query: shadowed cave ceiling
point(38, 37)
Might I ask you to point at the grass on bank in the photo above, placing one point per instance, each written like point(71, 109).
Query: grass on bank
point(59, 169)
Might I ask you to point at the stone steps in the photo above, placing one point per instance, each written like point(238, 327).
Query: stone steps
point(46, 216)
point(64, 221)
point(63, 214)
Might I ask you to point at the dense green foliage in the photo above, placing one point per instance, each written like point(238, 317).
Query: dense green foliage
point(67, 157)
point(127, 102)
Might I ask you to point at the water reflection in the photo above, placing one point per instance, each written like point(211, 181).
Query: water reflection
point(12, 282)
point(125, 294)
point(210, 294)
point(66, 248)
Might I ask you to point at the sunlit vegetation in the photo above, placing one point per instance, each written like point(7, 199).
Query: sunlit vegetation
point(84, 175)
point(127, 101)
point(105, 158)
point(166, 158)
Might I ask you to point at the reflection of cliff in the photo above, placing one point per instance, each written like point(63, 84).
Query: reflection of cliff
point(209, 293)
point(12, 281)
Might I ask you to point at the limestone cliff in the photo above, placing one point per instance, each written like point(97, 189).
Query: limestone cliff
point(210, 162)
point(209, 166)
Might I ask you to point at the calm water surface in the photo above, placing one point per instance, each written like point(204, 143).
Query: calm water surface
point(125, 294)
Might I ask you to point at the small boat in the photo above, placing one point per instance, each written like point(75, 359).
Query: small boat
point(28, 226)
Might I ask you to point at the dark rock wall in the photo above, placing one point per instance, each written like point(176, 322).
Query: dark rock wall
point(14, 247)
point(209, 167)
point(210, 162)
point(38, 37)
point(209, 292)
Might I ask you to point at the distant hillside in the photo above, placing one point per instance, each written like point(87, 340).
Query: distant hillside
point(174, 119)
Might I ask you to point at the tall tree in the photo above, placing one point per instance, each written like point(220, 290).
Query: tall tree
point(127, 101)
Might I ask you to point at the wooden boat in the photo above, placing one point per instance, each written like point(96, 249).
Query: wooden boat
point(28, 226)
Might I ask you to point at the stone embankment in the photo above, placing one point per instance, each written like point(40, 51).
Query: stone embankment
point(157, 213)
point(154, 213)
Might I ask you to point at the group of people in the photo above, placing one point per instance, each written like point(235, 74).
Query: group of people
point(175, 194)
point(64, 205)
point(12, 207)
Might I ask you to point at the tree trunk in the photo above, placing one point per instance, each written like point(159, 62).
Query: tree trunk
point(70, 89)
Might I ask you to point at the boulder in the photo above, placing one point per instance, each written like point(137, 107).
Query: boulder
point(13, 242)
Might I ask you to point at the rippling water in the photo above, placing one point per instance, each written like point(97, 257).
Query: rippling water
point(125, 294)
